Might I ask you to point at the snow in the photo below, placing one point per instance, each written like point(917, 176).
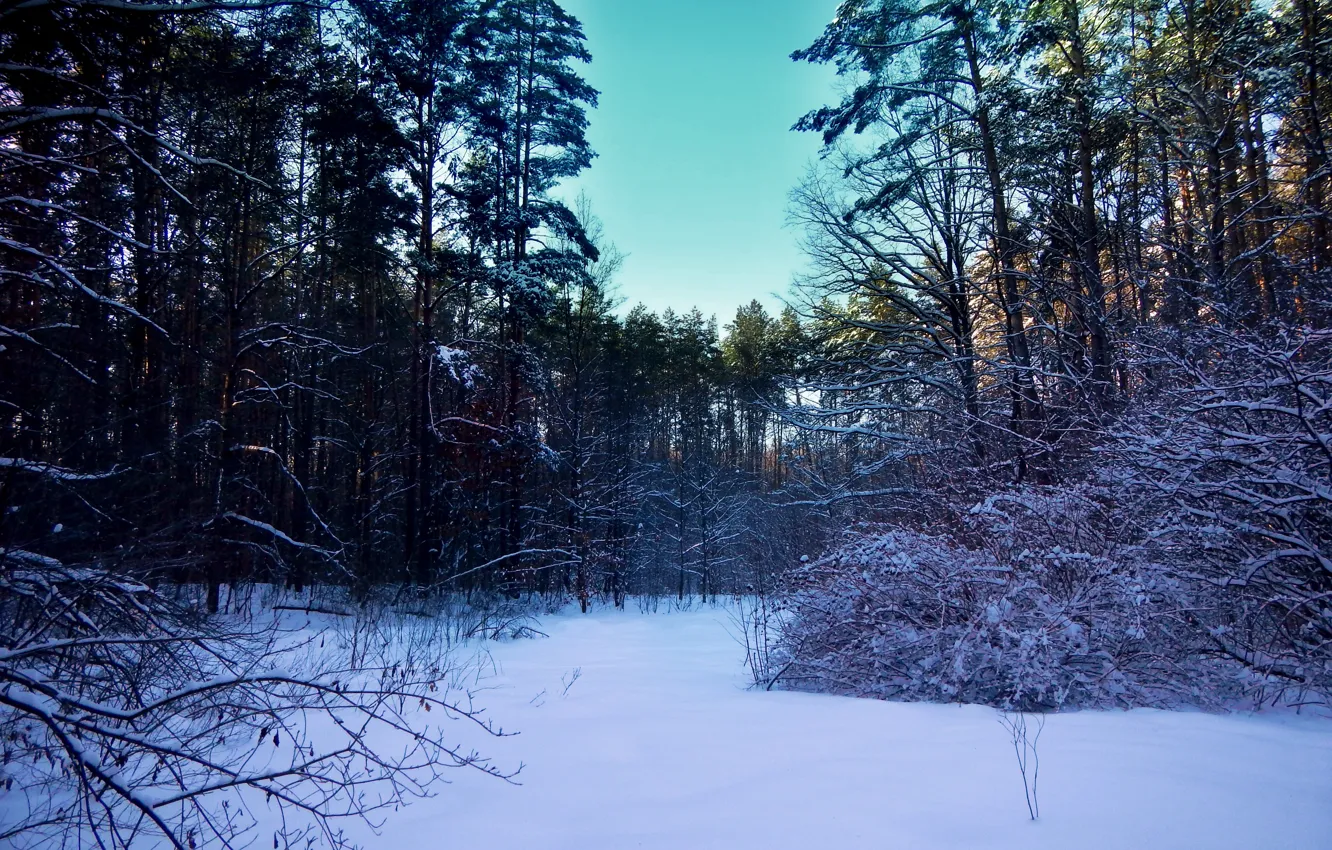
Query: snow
point(51, 470)
point(459, 364)
point(273, 531)
point(657, 743)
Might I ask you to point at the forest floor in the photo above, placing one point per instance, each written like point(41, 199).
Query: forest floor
point(657, 743)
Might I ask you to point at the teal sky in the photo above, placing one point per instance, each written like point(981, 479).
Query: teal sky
point(695, 154)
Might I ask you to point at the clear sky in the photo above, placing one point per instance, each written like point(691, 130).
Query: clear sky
point(695, 156)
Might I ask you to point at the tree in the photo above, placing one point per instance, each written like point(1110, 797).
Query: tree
point(931, 52)
point(419, 52)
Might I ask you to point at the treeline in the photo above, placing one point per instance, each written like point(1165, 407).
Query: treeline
point(286, 296)
point(1070, 323)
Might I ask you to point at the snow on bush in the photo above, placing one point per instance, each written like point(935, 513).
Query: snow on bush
point(1039, 609)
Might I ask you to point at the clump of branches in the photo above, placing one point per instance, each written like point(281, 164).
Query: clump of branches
point(126, 719)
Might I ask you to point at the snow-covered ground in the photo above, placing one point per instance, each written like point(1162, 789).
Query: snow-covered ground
point(658, 744)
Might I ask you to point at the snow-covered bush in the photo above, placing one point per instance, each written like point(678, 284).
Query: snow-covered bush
point(1019, 619)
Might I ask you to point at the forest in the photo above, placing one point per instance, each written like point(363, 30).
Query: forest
point(291, 300)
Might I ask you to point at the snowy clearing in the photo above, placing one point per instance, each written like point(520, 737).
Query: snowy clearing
point(658, 744)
